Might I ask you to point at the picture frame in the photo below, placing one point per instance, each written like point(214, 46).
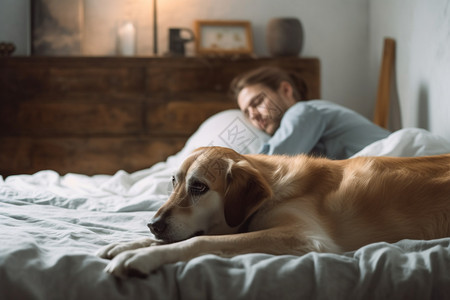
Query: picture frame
point(56, 27)
point(215, 37)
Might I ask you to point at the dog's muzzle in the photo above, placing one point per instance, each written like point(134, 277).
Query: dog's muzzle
point(157, 226)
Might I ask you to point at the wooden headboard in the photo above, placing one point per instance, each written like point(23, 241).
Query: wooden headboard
point(98, 115)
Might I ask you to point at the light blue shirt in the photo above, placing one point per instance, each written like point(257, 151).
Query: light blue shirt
point(322, 128)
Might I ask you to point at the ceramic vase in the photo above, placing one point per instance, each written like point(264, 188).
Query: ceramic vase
point(284, 37)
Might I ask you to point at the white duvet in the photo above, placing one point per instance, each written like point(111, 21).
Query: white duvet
point(51, 225)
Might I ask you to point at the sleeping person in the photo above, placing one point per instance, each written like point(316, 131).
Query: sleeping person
point(273, 100)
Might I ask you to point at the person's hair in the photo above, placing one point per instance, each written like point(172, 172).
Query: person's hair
point(271, 77)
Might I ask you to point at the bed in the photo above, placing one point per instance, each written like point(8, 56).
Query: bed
point(51, 224)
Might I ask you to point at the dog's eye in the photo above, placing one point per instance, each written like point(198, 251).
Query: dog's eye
point(174, 181)
point(198, 188)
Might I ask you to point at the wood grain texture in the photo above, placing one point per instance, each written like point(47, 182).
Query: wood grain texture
point(86, 155)
point(381, 115)
point(95, 115)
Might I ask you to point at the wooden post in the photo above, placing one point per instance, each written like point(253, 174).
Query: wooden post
point(381, 115)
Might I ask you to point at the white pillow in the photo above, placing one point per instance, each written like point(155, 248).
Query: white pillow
point(229, 129)
point(407, 142)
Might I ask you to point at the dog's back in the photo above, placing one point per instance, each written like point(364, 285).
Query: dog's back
point(388, 199)
point(365, 199)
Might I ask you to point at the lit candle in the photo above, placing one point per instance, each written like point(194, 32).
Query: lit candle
point(127, 39)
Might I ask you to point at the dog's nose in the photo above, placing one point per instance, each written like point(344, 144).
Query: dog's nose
point(157, 226)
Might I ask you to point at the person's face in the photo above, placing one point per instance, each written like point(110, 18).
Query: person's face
point(264, 107)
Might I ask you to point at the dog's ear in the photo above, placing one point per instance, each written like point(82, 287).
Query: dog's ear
point(246, 190)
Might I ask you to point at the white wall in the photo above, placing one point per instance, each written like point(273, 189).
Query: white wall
point(335, 31)
point(421, 29)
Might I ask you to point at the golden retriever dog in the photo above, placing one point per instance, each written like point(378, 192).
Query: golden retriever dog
point(227, 204)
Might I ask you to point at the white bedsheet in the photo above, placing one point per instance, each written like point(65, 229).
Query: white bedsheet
point(51, 225)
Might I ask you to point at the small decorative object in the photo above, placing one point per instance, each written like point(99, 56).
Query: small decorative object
point(176, 41)
point(126, 39)
point(7, 49)
point(284, 37)
point(56, 27)
point(223, 37)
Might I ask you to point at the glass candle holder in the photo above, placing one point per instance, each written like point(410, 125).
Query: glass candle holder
point(126, 38)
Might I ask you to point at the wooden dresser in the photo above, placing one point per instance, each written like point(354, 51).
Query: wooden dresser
point(95, 115)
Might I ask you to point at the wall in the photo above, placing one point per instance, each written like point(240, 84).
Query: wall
point(335, 31)
point(421, 29)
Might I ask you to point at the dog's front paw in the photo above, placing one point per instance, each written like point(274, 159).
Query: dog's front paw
point(139, 262)
point(112, 250)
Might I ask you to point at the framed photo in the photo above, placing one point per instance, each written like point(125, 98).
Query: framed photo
point(223, 37)
point(56, 27)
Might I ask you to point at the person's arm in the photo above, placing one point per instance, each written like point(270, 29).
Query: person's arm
point(300, 130)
